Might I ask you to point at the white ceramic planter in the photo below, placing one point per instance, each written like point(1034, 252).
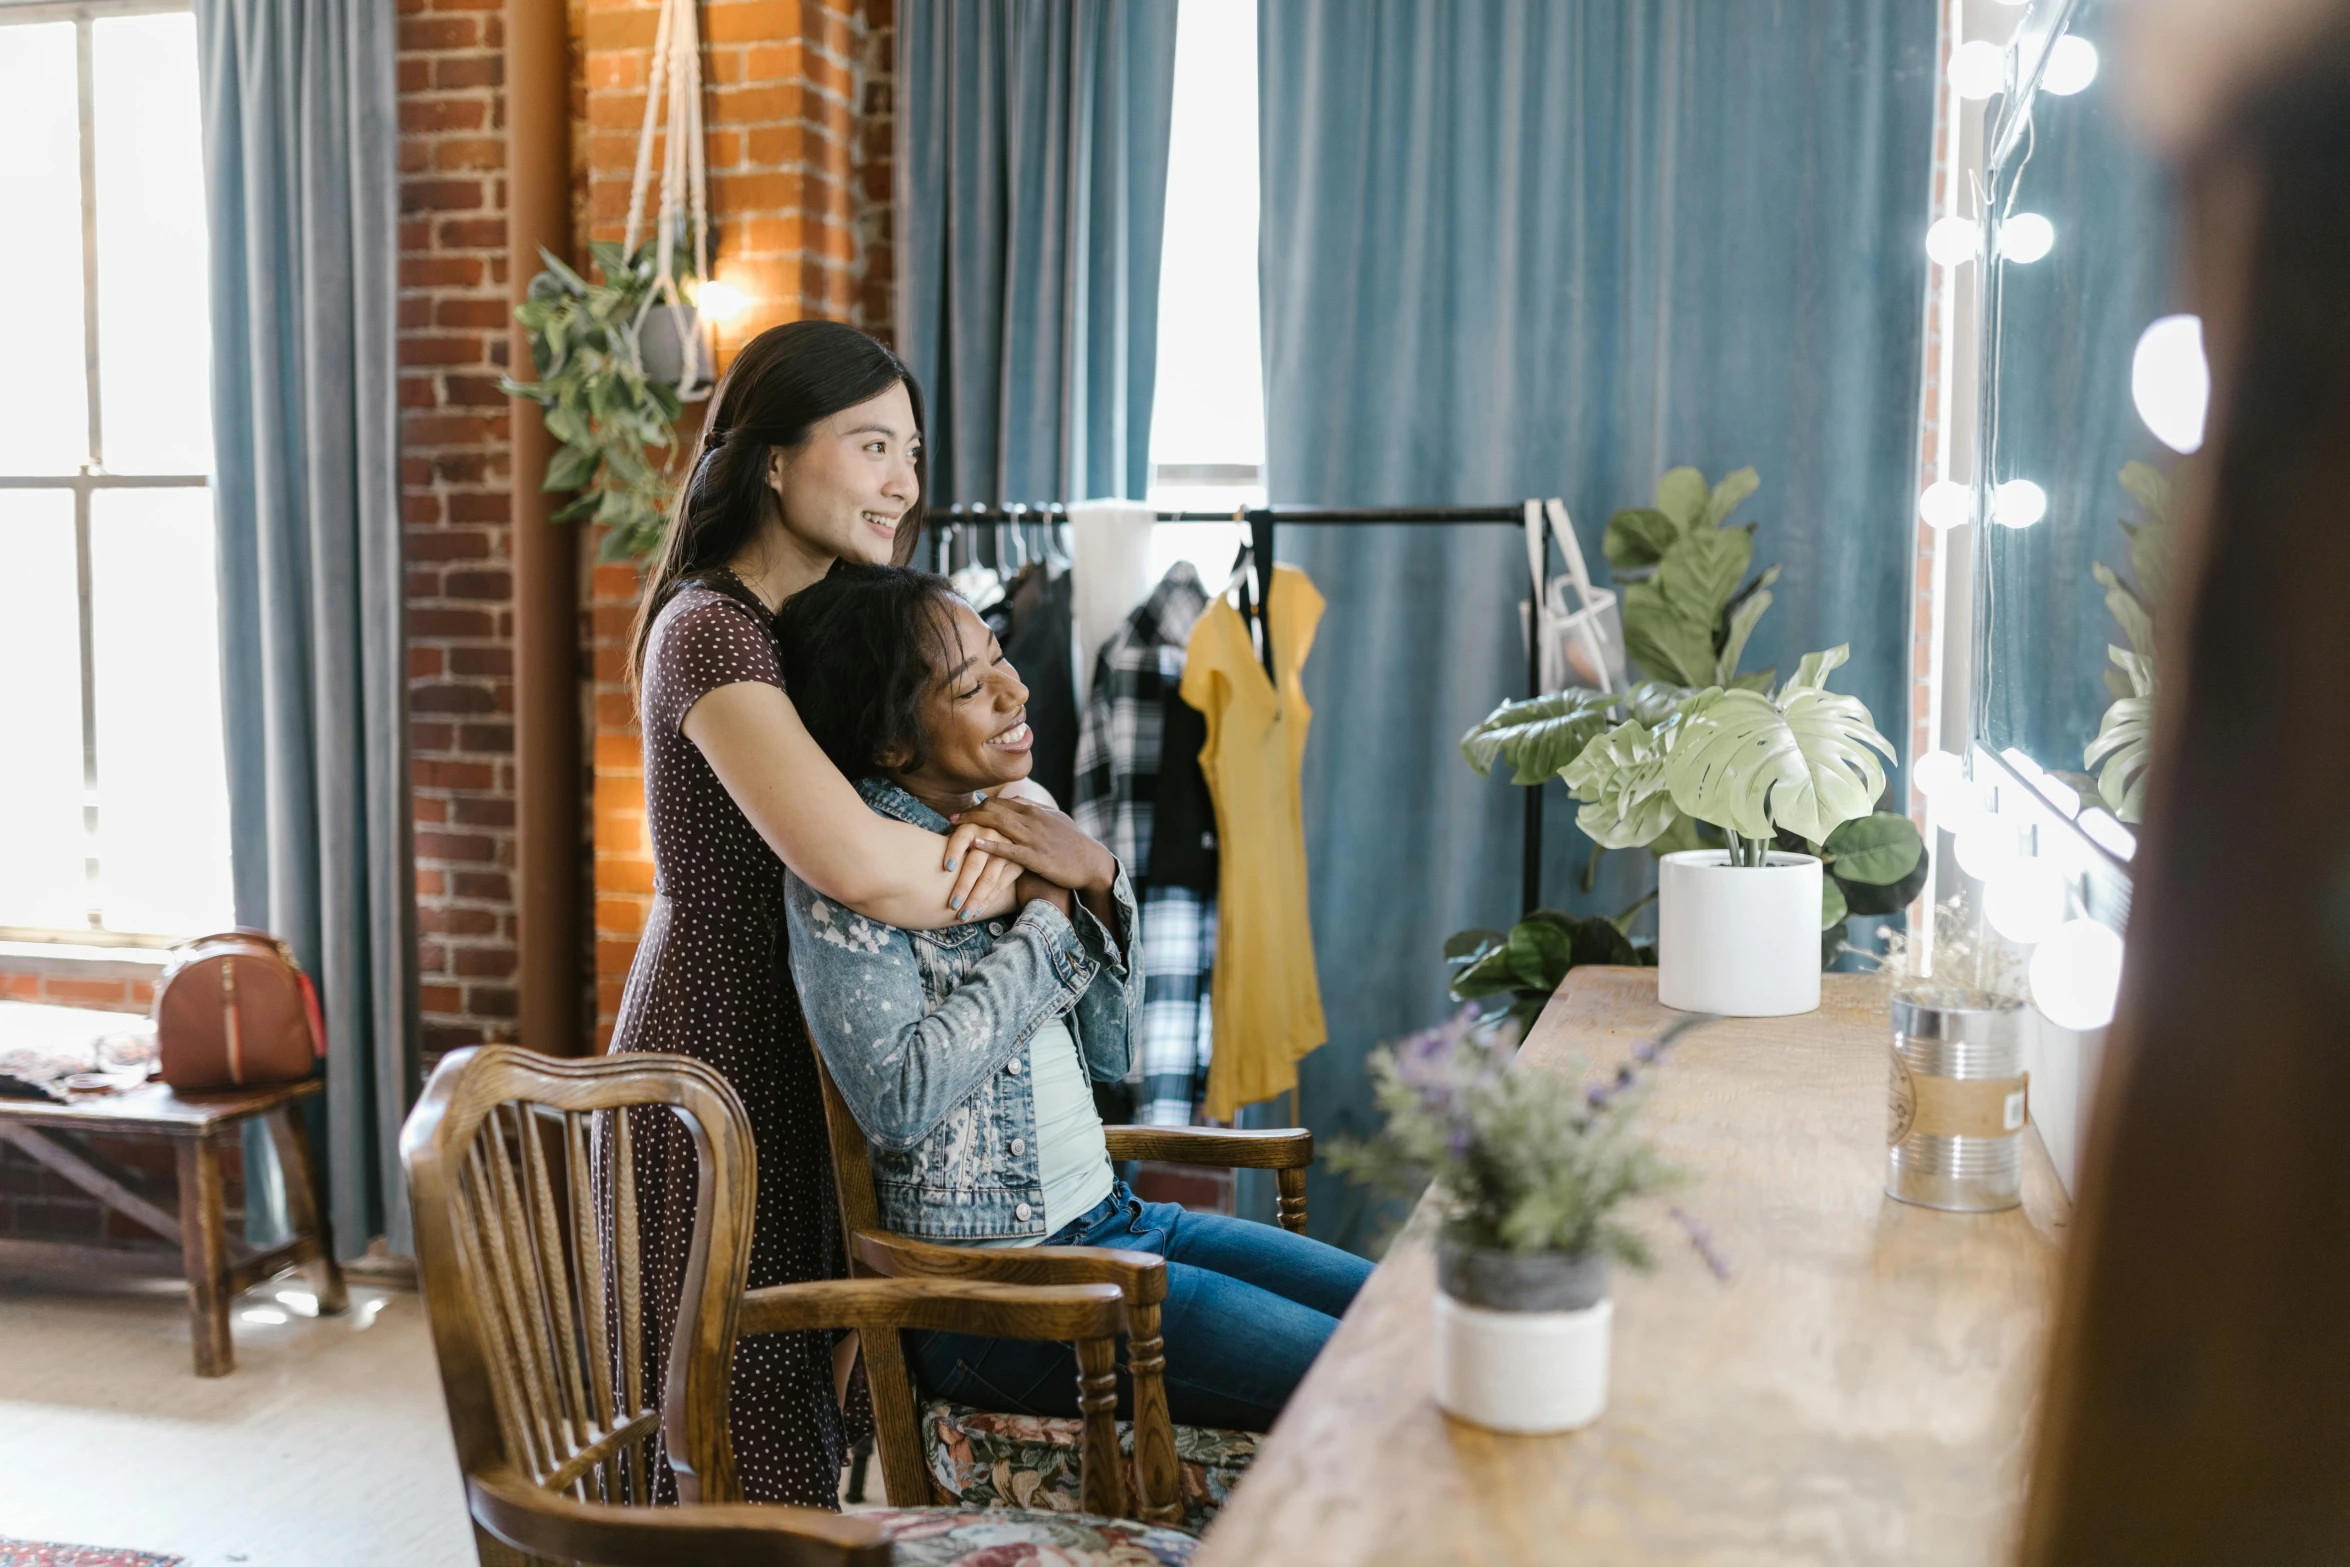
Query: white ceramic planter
point(1740, 940)
point(1522, 1342)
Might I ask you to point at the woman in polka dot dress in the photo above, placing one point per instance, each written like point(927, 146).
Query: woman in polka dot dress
point(812, 454)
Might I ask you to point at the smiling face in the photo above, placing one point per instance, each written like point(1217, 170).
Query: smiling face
point(846, 487)
point(974, 715)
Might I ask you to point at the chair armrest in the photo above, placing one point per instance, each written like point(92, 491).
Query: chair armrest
point(1286, 1149)
point(735, 1534)
point(1065, 1312)
point(1139, 1275)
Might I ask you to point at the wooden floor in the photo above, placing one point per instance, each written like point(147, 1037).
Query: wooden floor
point(327, 1444)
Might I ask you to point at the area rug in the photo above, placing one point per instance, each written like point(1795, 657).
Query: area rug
point(37, 1553)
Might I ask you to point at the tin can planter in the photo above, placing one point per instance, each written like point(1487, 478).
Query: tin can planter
point(1522, 1342)
point(1957, 1097)
point(1738, 940)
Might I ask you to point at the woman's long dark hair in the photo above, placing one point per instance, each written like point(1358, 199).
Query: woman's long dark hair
point(779, 387)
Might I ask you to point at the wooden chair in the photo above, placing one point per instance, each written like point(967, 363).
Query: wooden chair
point(537, 1321)
point(902, 1426)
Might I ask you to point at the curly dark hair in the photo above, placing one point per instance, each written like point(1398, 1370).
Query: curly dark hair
point(859, 649)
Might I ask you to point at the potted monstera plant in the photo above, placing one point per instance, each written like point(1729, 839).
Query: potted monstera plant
point(1691, 603)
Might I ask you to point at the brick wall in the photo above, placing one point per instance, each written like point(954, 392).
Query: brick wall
point(455, 504)
point(797, 111)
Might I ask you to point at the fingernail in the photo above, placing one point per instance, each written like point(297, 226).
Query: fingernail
point(951, 865)
point(955, 902)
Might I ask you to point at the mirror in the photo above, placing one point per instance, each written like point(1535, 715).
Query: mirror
point(2090, 398)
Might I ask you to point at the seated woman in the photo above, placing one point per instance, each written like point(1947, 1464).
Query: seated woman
point(966, 1053)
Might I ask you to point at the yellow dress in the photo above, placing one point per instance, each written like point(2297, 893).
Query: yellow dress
point(1267, 1000)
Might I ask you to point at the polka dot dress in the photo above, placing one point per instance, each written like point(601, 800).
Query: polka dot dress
point(711, 980)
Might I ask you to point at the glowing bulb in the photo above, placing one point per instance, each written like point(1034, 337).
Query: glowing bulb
point(1946, 505)
point(2076, 973)
point(1954, 241)
point(1978, 69)
point(2170, 381)
point(2072, 65)
point(721, 302)
point(2025, 901)
point(1939, 774)
point(1986, 847)
point(2018, 504)
point(2025, 237)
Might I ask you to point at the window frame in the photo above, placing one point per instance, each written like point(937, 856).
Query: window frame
point(93, 475)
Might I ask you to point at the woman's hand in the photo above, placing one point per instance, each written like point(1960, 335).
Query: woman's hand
point(979, 876)
point(1043, 841)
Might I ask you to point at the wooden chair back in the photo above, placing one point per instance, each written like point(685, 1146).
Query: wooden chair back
point(527, 1249)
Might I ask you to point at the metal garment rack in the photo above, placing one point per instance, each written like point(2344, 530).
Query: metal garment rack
point(1262, 521)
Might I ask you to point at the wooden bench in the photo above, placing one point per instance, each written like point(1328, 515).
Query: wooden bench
point(199, 1126)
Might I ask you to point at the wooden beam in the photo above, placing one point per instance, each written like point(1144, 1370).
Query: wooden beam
point(551, 859)
point(53, 1152)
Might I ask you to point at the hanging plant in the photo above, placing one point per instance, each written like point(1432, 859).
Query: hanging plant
point(609, 414)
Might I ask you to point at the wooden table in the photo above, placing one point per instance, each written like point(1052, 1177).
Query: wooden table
point(1861, 1390)
point(199, 1126)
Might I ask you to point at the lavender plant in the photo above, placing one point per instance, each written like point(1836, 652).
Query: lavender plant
point(1520, 1161)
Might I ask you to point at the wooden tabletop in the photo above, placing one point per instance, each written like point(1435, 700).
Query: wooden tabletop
point(152, 1107)
point(1861, 1390)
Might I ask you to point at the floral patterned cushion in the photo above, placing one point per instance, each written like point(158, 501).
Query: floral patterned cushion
point(1015, 1537)
point(983, 1459)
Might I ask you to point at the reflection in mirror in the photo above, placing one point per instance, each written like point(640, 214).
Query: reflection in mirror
point(2093, 391)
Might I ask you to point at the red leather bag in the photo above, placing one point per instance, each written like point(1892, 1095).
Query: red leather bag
point(234, 1010)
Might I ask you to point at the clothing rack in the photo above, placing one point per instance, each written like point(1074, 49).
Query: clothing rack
point(1262, 521)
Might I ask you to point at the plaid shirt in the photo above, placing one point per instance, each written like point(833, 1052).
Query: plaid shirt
point(1118, 741)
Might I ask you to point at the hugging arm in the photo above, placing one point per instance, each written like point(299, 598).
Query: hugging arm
point(818, 826)
point(861, 989)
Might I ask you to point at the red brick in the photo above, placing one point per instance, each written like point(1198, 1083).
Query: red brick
point(481, 70)
point(442, 114)
point(440, 195)
point(471, 234)
point(439, 545)
point(438, 33)
point(457, 848)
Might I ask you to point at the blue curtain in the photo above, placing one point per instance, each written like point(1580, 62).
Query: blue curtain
point(1553, 247)
point(299, 136)
point(1032, 186)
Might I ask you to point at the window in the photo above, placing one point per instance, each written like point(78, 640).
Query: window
point(1208, 411)
point(113, 785)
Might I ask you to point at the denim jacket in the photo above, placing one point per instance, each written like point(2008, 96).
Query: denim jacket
point(926, 1034)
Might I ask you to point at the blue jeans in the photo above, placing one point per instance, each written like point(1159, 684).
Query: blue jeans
point(1248, 1308)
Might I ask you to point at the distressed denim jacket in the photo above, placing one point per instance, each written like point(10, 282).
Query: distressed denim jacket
point(926, 1034)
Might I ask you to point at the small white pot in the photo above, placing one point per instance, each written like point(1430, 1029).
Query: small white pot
point(1521, 1341)
point(1740, 940)
point(1524, 1372)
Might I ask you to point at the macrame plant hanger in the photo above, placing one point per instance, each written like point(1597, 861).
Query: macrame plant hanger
point(676, 67)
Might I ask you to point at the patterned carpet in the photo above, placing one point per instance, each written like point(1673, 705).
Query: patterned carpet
point(35, 1553)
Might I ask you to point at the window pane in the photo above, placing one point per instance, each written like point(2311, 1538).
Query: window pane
point(41, 847)
point(163, 862)
point(154, 334)
point(1210, 402)
point(44, 421)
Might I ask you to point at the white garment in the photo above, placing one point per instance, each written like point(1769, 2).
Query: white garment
point(1072, 1155)
point(1111, 545)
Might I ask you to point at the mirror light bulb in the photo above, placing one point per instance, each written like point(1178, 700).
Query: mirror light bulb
point(2024, 237)
point(2076, 973)
point(1946, 505)
point(721, 302)
point(1978, 69)
point(1937, 773)
point(2170, 381)
point(2018, 504)
point(2072, 65)
point(1954, 241)
point(2026, 901)
point(1985, 847)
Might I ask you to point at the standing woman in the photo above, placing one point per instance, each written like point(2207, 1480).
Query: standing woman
point(812, 454)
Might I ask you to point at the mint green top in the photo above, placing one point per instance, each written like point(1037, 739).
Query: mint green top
point(1073, 1157)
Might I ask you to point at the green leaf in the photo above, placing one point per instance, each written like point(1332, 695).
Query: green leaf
point(1537, 735)
point(1638, 537)
point(1730, 494)
point(1760, 680)
point(1468, 943)
point(2151, 488)
point(1540, 954)
point(1833, 911)
point(2123, 752)
point(570, 468)
point(2125, 607)
point(1598, 940)
point(571, 281)
point(1654, 701)
point(1879, 849)
point(1681, 495)
point(1700, 576)
point(1891, 897)
point(1488, 976)
point(1748, 610)
point(1686, 833)
point(1803, 761)
point(1620, 776)
point(1662, 641)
